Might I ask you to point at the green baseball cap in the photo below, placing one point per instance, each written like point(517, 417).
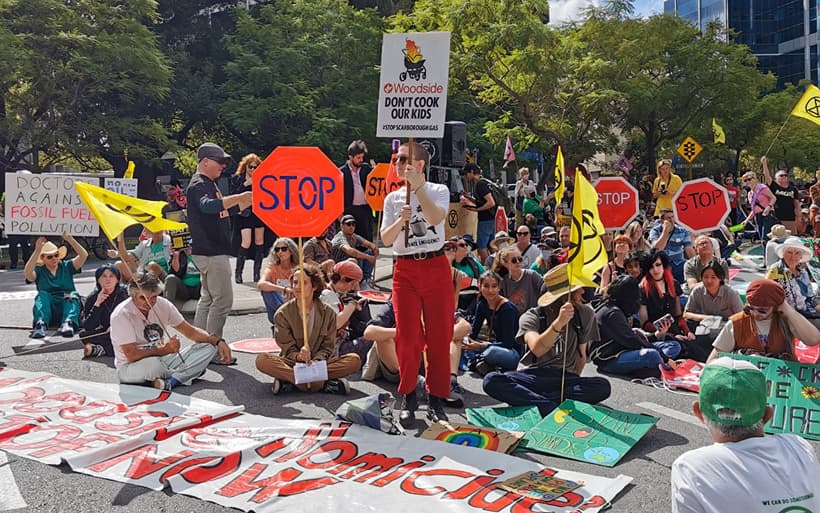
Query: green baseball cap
point(732, 392)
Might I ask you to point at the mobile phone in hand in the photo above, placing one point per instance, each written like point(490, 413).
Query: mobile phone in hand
point(666, 318)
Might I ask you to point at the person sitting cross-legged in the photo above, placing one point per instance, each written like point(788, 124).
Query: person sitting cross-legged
point(144, 350)
point(95, 318)
point(556, 334)
point(320, 343)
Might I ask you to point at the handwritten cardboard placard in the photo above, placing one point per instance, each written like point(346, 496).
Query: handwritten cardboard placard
point(47, 204)
point(793, 391)
point(584, 432)
point(508, 418)
point(496, 440)
point(125, 186)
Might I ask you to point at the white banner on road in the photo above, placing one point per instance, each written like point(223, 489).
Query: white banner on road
point(413, 86)
point(124, 186)
point(47, 204)
point(255, 463)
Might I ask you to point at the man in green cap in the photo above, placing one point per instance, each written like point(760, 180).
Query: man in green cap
point(744, 470)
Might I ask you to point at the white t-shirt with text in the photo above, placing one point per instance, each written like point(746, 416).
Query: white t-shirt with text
point(424, 237)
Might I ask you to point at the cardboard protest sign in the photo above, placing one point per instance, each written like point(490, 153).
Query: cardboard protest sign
point(124, 186)
point(256, 346)
point(584, 432)
point(539, 486)
point(413, 85)
point(491, 439)
point(249, 462)
point(48, 204)
point(794, 394)
point(510, 418)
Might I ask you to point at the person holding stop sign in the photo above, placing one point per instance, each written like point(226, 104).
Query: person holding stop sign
point(422, 282)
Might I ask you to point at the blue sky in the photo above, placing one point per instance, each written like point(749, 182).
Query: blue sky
point(566, 10)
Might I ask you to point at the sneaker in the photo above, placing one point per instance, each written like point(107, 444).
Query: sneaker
point(67, 330)
point(161, 384)
point(94, 351)
point(279, 387)
point(39, 330)
point(409, 405)
point(456, 397)
point(435, 410)
point(338, 386)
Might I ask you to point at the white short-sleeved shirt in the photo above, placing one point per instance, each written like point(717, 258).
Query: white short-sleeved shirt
point(424, 237)
point(766, 474)
point(128, 325)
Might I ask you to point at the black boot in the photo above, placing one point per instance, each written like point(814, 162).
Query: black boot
point(435, 409)
point(409, 405)
point(258, 256)
point(240, 264)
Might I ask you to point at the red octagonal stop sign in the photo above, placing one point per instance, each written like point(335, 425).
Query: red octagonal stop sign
point(297, 191)
point(618, 202)
point(701, 205)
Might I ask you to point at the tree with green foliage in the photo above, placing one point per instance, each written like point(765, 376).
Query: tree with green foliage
point(77, 79)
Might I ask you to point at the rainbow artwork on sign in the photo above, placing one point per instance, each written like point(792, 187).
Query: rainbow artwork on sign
point(496, 440)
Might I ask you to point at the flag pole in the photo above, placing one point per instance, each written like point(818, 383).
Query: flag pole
point(302, 290)
point(776, 136)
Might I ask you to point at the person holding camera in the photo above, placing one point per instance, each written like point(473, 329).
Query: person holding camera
point(664, 187)
point(353, 314)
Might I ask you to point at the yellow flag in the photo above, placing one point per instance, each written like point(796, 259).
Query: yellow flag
point(718, 133)
point(587, 254)
point(129, 171)
point(809, 105)
point(559, 176)
point(116, 212)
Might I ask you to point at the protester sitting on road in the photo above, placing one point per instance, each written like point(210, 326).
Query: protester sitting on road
point(710, 305)
point(767, 326)
point(632, 264)
point(744, 469)
point(693, 267)
point(275, 280)
point(353, 313)
point(666, 235)
point(145, 351)
point(318, 345)
point(519, 285)
point(500, 241)
point(660, 296)
point(622, 245)
point(622, 349)
point(497, 348)
point(464, 260)
point(57, 300)
point(791, 273)
point(777, 236)
point(382, 360)
point(348, 244)
point(318, 251)
point(153, 254)
point(664, 187)
point(635, 232)
point(95, 319)
point(551, 255)
point(761, 201)
point(526, 246)
point(556, 334)
point(184, 282)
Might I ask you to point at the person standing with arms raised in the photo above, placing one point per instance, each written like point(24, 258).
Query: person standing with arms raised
point(209, 225)
point(422, 282)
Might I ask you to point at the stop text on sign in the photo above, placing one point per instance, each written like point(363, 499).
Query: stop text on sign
point(286, 190)
point(702, 199)
point(615, 198)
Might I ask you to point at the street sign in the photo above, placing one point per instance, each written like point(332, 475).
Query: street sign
point(413, 85)
point(701, 205)
point(618, 202)
point(297, 191)
point(689, 149)
point(377, 187)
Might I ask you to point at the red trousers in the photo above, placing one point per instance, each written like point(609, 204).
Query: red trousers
point(424, 289)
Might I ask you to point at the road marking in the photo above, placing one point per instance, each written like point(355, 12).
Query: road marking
point(10, 497)
point(13, 296)
point(669, 412)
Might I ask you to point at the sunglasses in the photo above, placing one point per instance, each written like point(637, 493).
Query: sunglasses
point(462, 244)
point(349, 280)
point(760, 309)
point(351, 223)
point(252, 167)
point(284, 248)
point(449, 248)
point(522, 233)
point(402, 159)
point(516, 260)
point(49, 257)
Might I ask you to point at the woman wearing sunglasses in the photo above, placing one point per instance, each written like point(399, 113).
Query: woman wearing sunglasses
point(767, 326)
point(57, 300)
point(521, 286)
point(762, 202)
point(275, 280)
point(251, 228)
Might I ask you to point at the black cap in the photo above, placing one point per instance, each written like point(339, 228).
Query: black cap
point(211, 151)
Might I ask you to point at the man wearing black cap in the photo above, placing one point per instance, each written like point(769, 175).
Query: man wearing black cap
point(209, 225)
point(349, 244)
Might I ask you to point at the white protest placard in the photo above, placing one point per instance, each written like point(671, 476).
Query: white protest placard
point(48, 204)
point(124, 186)
point(413, 84)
